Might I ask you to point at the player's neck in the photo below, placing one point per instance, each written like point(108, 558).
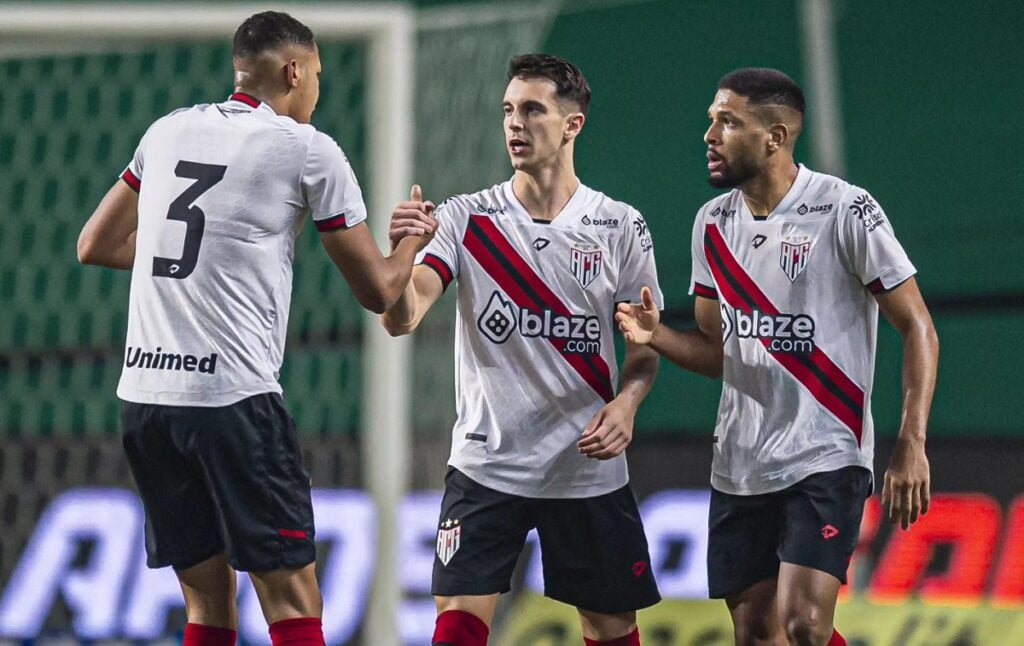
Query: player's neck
point(764, 192)
point(545, 192)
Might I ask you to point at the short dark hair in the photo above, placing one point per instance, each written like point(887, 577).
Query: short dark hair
point(568, 79)
point(268, 30)
point(764, 86)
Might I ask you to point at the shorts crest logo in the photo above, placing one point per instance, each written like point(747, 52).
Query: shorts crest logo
point(796, 249)
point(449, 537)
point(585, 263)
point(829, 532)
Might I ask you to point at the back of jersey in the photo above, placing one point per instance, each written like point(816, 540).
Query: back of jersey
point(223, 189)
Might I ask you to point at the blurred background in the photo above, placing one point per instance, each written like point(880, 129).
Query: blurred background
point(916, 101)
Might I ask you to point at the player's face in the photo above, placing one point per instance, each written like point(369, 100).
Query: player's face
point(736, 141)
point(537, 124)
point(308, 89)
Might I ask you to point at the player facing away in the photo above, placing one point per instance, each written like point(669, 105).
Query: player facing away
point(790, 269)
point(206, 216)
point(539, 262)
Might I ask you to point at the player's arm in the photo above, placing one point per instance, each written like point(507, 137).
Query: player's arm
point(611, 430)
point(698, 350)
point(108, 237)
point(418, 297)
point(378, 281)
point(906, 490)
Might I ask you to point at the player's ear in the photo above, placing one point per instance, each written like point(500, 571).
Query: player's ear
point(573, 125)
point(778, 135)
point(292, 73)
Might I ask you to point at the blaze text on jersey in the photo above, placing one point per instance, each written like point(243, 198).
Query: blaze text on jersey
point(573, 333)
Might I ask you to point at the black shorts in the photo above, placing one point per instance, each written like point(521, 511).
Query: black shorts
point(594, 550)
point(814, 523)
point(225, 479)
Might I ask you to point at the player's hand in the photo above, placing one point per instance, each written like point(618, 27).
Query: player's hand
point(638, 321)
point(906, 490)
point(414, 217)
point(608, 433)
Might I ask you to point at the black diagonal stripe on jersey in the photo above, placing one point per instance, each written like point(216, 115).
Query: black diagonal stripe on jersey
point(525, 284)
point(805, 360)
point(716, 255)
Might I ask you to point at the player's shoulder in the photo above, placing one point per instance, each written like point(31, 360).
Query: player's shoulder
point(849, 199)
point(609, 214)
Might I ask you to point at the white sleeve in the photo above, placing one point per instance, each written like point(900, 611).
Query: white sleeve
point(869, 245)
point(442, 253)
point(637, 268)
point(132, 174)
point(330, 186)
point(702, 283)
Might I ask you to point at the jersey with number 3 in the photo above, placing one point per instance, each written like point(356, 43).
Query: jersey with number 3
point(799, 323)
point(535, 335)
point(223, 189)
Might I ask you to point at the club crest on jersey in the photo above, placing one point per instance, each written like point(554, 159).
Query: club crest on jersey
point(449, 537)
point(585, 263)
point(796, 249)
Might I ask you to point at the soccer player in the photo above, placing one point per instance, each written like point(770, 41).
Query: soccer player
point(206, 216)
point(539, 261)
point(790, 269)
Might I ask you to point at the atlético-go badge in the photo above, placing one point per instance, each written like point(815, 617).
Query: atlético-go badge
point(449, 536)
point(585, 262)
point(796, 249)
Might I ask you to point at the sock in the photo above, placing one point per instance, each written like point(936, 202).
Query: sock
point(199, 635)
point(304, 631)
point(632, 639)
point(837, 639)
point(458, 628)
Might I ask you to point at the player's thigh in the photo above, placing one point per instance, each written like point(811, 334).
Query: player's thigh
point(807, 601)
point(823, 515)
point(744, 533)
point(755, 616)
point(252, 462)
point(481, 533)
point(182, 529)
point(209, 589)
point(595, 554)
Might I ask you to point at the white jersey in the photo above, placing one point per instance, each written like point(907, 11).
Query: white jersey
point(534, 339)
point(223, 189)
point(799, 324)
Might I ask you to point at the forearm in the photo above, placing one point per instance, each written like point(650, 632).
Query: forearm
point(121, 256)
point(402, 317)
point(920, 363)
point(690, 349)
point(638, 373)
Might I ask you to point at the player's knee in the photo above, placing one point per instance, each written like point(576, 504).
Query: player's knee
point(808, 628)
point(754, 631)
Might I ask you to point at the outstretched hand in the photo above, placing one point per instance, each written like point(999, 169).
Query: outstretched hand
point(414, 217)
point(638, 321)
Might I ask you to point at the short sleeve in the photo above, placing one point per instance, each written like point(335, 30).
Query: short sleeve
point(442, 253)
point(869, 246)
point(638, 268)
point(702, 283)
point(330, 186)
point(132, 175)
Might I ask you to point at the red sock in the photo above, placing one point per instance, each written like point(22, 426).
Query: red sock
point(304, 631)
point(199, 635)
point(837, 639)
point(458, 628)
point(632, 639)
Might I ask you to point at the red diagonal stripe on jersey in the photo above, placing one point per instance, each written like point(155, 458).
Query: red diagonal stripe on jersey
point(823, 375)
point(520, 282)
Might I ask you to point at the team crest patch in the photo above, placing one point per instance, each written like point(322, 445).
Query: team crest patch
point(449, 537)
point(585, 262)
point(796, 249)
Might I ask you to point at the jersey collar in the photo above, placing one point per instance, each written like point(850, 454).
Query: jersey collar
point(803, 178)
point(568, 214)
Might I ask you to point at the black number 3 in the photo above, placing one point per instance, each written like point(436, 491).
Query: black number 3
point(206, 175)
